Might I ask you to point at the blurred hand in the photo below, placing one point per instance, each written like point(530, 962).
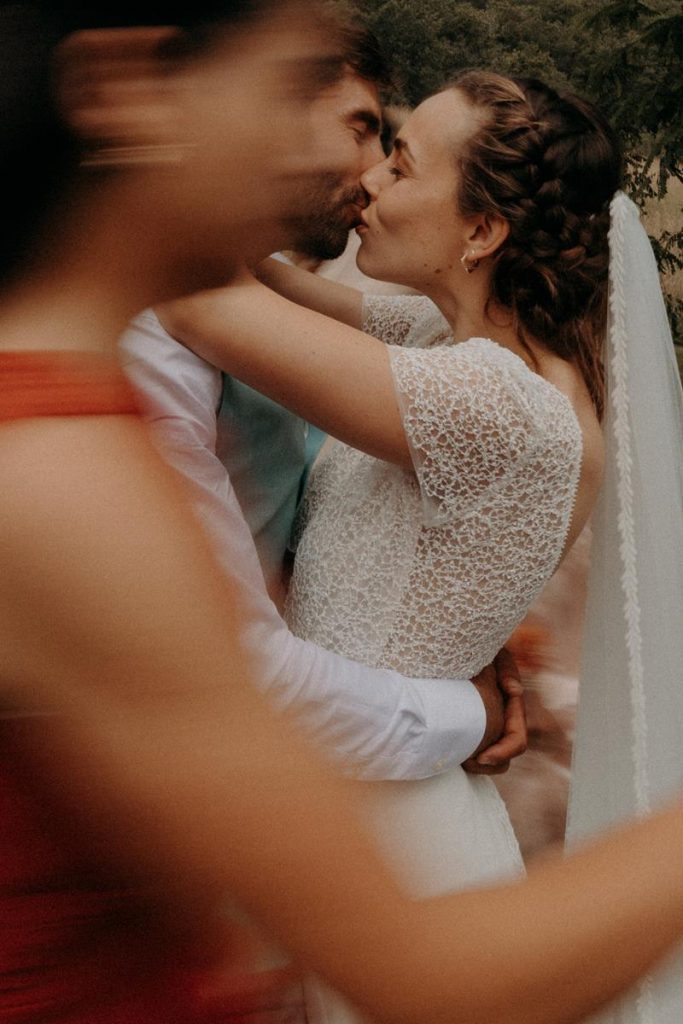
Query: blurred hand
point(505, 736)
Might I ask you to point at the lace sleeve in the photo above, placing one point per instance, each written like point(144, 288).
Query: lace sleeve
point(397, 319)
point(474, 413)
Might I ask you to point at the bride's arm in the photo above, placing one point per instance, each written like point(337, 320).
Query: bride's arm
point(329, 297)
point(327, 372)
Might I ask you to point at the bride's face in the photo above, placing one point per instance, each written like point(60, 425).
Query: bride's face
point(412, 232)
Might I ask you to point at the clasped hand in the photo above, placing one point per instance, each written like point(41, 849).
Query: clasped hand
point(505, 736)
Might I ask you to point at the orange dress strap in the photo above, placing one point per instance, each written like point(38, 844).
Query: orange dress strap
point(63, 383)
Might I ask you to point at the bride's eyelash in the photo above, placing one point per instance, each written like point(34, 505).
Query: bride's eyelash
point(396, 172)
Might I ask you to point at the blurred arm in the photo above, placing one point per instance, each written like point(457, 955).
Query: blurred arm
point(130, 631)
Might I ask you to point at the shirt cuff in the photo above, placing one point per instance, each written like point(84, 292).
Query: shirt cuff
point(456, 721)
point(452, 721)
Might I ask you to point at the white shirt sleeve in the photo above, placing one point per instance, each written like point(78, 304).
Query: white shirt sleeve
point(377, 723)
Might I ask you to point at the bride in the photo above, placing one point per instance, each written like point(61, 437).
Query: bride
point(471, 449)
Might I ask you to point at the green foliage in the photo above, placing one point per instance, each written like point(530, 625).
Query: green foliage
point(640, 81)
point(642, 74)
point(626, 55)
point(430, 40)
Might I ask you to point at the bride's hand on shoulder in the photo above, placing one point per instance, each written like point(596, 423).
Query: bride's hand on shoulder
point(338, 301)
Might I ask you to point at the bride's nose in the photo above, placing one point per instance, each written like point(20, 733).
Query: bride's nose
point(374, 178)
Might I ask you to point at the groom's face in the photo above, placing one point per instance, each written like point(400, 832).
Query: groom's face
point(347, 120)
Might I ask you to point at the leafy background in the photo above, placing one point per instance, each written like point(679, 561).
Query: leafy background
point(626, 55)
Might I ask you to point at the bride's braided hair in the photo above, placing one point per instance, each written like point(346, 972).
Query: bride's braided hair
point(549, 165)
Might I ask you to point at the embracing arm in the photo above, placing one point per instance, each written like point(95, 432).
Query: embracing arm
point(186, 775)
point(306, 289)
point(327, 372)
point(377, 723)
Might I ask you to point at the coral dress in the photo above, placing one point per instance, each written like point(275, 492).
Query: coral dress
point(79, 943)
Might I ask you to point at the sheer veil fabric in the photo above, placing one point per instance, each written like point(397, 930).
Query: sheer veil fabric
point(628, 754)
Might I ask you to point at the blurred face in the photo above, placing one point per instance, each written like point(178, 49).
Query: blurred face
point(412, 232)
point(259, 140)
point(346, 124)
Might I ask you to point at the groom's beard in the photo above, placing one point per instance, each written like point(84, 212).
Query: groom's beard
point(323, 233)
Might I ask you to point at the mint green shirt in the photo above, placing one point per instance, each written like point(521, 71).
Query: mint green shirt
point(266, 450)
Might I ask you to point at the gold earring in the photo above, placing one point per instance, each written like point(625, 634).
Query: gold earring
point(472, 265)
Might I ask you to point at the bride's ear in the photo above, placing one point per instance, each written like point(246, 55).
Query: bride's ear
point(485, 235)
point(113, 91)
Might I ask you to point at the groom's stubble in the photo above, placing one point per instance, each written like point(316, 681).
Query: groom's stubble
point(330, 209)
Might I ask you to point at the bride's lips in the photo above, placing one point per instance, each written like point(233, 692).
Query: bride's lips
point(363, 226)
point(355, 211)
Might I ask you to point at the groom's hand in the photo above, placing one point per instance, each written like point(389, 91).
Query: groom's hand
point(505, 736)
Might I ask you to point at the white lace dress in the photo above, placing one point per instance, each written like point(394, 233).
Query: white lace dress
point(430, 572)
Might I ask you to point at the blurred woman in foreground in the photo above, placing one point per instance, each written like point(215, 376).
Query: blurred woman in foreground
point(141, 775)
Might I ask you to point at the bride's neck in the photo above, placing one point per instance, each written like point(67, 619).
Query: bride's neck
point(472, 314)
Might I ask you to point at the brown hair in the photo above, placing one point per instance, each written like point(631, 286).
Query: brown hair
point(548, 164)
point(359, 47)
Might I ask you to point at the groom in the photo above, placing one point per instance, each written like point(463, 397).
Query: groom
point(376, 723)
point(262, 445)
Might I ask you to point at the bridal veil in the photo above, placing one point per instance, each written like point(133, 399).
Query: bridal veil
point(628, 754)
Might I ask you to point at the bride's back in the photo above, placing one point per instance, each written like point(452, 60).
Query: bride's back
point(568, 379)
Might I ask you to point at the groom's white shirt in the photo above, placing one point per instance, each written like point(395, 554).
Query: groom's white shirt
point(376, 722)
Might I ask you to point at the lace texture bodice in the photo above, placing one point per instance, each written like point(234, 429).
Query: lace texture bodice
point(430, 571)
